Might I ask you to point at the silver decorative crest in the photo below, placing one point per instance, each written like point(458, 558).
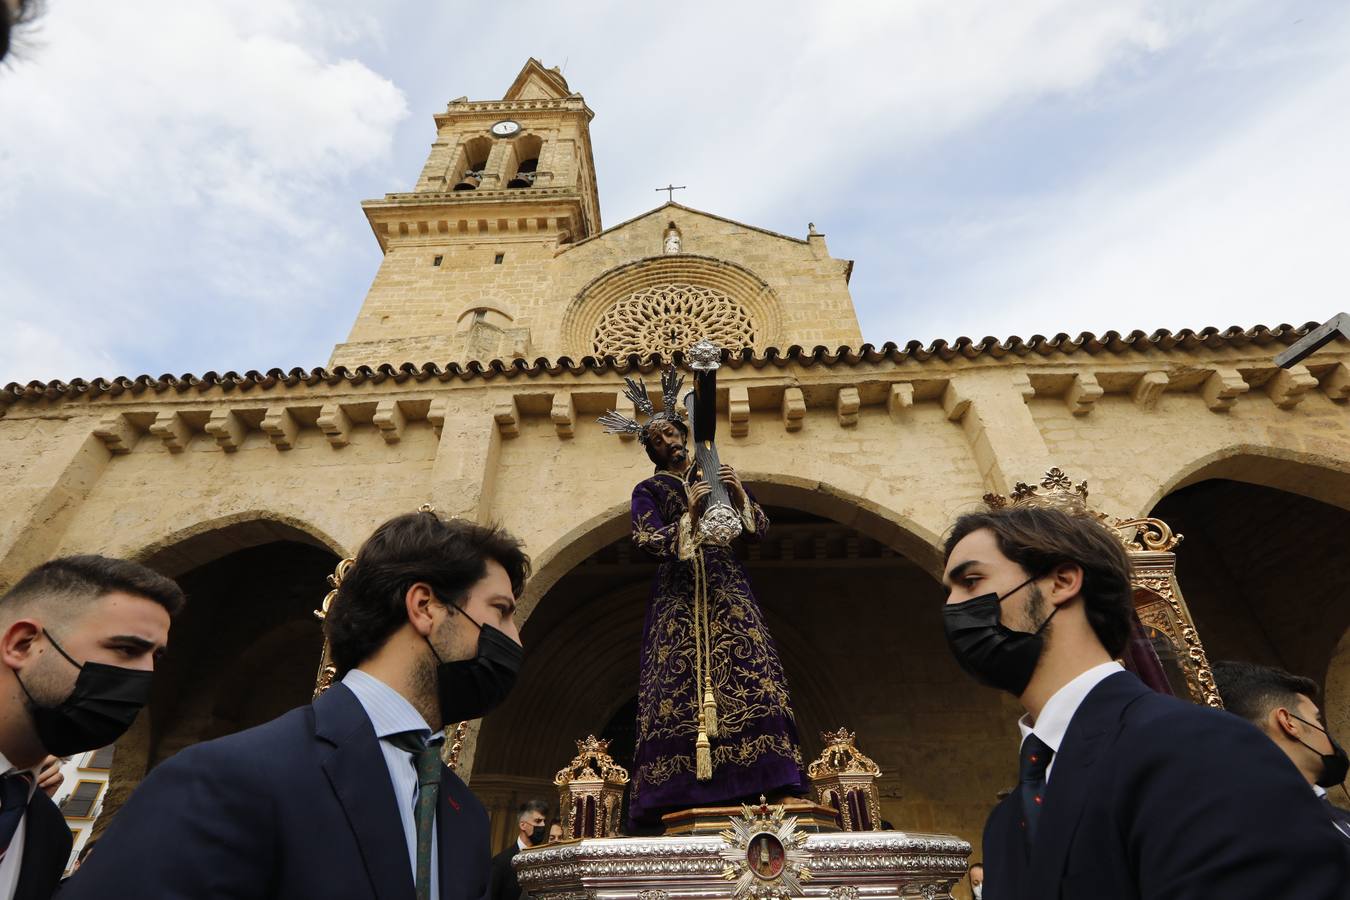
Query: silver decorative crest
point(705, 356)
point(720, 525)
point(636, 391)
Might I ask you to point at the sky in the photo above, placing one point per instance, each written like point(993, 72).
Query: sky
point(180, 180)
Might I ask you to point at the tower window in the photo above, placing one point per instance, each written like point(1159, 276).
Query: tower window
point(436, 260)
point(500, 258)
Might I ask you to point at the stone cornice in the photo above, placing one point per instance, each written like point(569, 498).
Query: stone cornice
point(939, 356)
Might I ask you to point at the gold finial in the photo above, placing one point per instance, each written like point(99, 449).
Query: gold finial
point(1057, 491)
point(841, 757)
point(592, 763)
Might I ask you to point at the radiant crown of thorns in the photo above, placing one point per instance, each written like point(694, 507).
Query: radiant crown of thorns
point(636, 391)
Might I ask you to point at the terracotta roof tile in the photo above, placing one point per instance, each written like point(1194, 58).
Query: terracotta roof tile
point(1112, 342)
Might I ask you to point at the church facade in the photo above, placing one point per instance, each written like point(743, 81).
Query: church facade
point(501, 323)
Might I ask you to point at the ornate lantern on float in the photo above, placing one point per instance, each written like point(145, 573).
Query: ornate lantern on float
point(845, 780)
point(590, 791)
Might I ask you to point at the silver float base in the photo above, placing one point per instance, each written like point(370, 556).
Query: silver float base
point(885, 865)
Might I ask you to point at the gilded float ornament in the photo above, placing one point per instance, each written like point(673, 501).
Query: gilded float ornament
point(765, 854)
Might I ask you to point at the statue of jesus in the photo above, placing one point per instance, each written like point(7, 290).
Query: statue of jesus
point(715, 724)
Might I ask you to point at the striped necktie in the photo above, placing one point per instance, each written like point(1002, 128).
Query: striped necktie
point(426, 758)
point(14, 791)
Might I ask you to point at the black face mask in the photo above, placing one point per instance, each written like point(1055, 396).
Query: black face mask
point(98, 711)
point(538, 835)
point(1335, 765)
point(471, 688)
point(989, 651)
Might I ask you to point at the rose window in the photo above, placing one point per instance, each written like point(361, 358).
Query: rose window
point(672, 317)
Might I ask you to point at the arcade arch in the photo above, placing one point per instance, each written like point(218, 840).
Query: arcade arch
point(857, 620)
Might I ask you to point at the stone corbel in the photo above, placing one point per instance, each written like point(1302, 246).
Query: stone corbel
point(507, 416)
point(900, 398)
point(390, 419)
point(436, 413)
point(280, 427)
point(1083, 393)
point(1222, 389)
point(794, 409)
point(738, 411)
point(227, 428)
point(117, 434)
point(564, 414)
point(1288, 386)
point(954, 403)
point(1336, 385)
point(1148, 389)
point(171, 428)
point(846, 406)
point(335, 424)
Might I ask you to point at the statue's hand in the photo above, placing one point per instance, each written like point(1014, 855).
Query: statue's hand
point(698, 498)
point(732, 481)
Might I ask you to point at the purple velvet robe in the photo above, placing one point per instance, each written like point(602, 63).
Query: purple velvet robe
point(756, 750)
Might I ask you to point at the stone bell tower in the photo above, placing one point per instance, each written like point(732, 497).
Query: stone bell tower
point(507, 184)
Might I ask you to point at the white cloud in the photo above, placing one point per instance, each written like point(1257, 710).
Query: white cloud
point(201, 144)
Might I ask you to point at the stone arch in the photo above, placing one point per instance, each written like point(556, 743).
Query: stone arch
point(202, 542)
point(252, 578)
point(737, 284)
point(1336, 693)
point(1284, 468)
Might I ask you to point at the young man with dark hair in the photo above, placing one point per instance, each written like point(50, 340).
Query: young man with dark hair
point(1284, 707)
point(531, 831)
point(1123, 792)
point(79, 637)
point(347, 797)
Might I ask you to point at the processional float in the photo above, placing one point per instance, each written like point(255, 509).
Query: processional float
point(833, 847)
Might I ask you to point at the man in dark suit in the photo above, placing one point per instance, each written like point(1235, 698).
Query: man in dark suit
point(348, 797)
point(1284, 707)
point(531, 831)
point(1123, 792)
point(79, 637)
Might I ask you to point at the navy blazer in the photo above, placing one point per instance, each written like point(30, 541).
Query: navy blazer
point(1154, 797)
point(301, 807)
point(46, 847)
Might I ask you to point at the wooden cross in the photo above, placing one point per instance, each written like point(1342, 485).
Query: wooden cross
point(1336, 326)
point(670, 190)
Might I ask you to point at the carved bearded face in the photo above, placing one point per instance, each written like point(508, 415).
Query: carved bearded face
point(666, 446)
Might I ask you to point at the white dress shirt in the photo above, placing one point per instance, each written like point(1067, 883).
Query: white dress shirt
point(13, 861)
point(392, 714)
point(1059, 709)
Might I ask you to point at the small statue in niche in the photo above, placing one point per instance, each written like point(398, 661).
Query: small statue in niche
point(672, 245)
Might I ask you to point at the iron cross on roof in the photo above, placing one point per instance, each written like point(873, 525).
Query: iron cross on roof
point(670, 190)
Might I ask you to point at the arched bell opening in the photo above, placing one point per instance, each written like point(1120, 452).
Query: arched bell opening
point(472, 165)
point(858, 627)
point(524, 161)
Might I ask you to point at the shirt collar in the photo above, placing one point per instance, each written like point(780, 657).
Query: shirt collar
point(388, 710)
point(1059, 709)
point(1320, 791)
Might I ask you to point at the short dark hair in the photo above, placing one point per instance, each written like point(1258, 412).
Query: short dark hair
point(77, 580)
point(1252, 691)
point(450, 556)
point(678, 423)
point(532, 806)
point(1040, 538)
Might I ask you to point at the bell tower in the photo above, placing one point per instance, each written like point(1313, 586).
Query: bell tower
point(507, 183)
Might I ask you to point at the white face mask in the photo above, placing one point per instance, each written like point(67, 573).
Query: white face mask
point(977, 891)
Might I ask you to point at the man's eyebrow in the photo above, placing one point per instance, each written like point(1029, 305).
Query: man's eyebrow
point(510, 601)
point(139, 643)
point(959, 570)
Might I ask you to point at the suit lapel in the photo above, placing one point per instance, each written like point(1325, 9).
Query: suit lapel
point(46, 846)
point(359, 776)
point(1092, 731)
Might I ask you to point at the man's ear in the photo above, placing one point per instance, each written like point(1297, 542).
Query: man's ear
point(418, 601)
point(1281, 721)
point(1066, 583)
point(17, 642)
